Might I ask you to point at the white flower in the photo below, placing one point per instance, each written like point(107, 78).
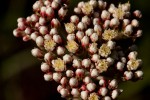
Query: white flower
point(58, 64)
point(104, 50)
point(93, 96)
point(102, 65)
point(70, 27)
point(109, 34)
point(134, 64)
point(87, 8)
point(49, 45)
point(72, 46)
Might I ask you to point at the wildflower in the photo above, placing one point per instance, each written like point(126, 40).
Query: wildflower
point(109, 34)
point(87, 8)
point(133, 64)
point(49, 45)
point(102, 65)
point(58, 64)
point(72, 46)
point(70, 27)
point(104, 50)
point(93, 96)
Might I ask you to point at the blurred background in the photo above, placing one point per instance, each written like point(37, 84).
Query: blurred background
point(20, 74)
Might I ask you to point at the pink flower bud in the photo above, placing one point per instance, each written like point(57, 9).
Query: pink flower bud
point(86, 63)
point(53, 31)
point(67, 58)
point(113, 84)
point(57, 77)
point(50, 12)
point(94, 73)
point(86, 20)
point(36, 52)
point(120, 66)
point(98, 29)
point(76, 63)
point(105, 15)
point(114, 22)
point(55, 23)
point(95, 57)
point(45, 67)
point(54, 5)
point(63, 81)
point(48, 76)
point(133, 55)
point(43, 11)
point(59, 87)
point(75, 92)
point(60, 50)
point(84, 95)
point(106, 24)
point(57, 38)
point(139, 33)
point(48, 57)
point(91, 87)
point(77, 10)
point(114, 94)
point(69, 73)
point(89, 31)
point(79, 73)
point(139, 74)
point(106, 98)
point(85, 41)
point(28, 31)
point(34, 18)
point(74, 19)
point(62, 12)
point(73, 82)
point(128, 75)
point(137, 13)
point(39, 41)
point(70, 37)
point(81, 26)
point(34, 35)
point(64, 92)
point(80, 35)
point(135, 23)
point(43, 30)
point(103, 91)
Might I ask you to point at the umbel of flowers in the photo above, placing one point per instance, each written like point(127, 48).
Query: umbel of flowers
point(88, 53)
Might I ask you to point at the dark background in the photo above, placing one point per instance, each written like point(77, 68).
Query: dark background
point(20, 74)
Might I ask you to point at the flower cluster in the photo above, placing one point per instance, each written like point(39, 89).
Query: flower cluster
point(89, 54)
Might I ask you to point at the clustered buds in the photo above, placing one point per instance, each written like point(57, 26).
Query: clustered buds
point(89, 54)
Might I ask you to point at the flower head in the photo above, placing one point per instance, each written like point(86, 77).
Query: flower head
point(72, 46)
point(49, 45)
point(104, 50)
point(93, 96)
point(70, 27)
point(109, 34)
point(102, 65)
point(58, 65)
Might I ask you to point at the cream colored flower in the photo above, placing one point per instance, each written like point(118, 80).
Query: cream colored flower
point(70, 27)
point(87, 8)
point(49, 45)
point(102, 65)
point(104, 50)
point(133, 64)
point(93, 96)
point(109, 34)
point(119, 12)
point(58, 65)
point(72, 46)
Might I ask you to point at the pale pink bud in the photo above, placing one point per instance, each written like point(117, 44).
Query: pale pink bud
point(39, 41)
point(76, 63)
point(21, 19)
point(81, 26)
point(139, 33)
point(28, 20)
point(64, 92)
point(21, 25)
point(114, 94)
point(120, 66)
point(70, 37)
point(89, 31)
point(106, 24)
point(47, 37)
point(47, 3)
point(126, 22)
point(128, 29)
point(84, 95)
point(17, 33)
point(69, 73)
point(135, 23)
point(77, 10)
point(28, 31)
point(139, 74)
point(50, 12)
point(54, 5)
point(94, 73)
point(36, 52)
point(75, 92)
point(128, 75)
point(93, 3)
point(137, 13)
point(59, 87)
point(106, 98)
point(48, 76)
point(91, 87)
point(57, 77)
point(43, 11)
point(37, 25)
point(87, 80)
point(53, 31)
point(123, 59)
point(48, 57)
point(86, 63)
point(80, 35)
point(102, 82)
point(114, 22)
point(79, 72)
point(86, 20)
point(60, 50)
point(34, 18)
point(98, 29)
point(96, 21)
point(111, 44)
point(62, 12)
point(63, 81)
point(43, 30)
point(73, 82)
point(103, 91)
point(37, 5)
point(57, 38)
point(113, 84)
point(105, 15)
point(110, 60)
point(45, 67)
point(67, 58)
point(74, 19)
point(85, 41)
point(55, 23)
point(94, 37)
point(95, 57)
point(26, 38)
point(80, 4)
point(133, 55)
point(34, 35)
point(42, 21)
